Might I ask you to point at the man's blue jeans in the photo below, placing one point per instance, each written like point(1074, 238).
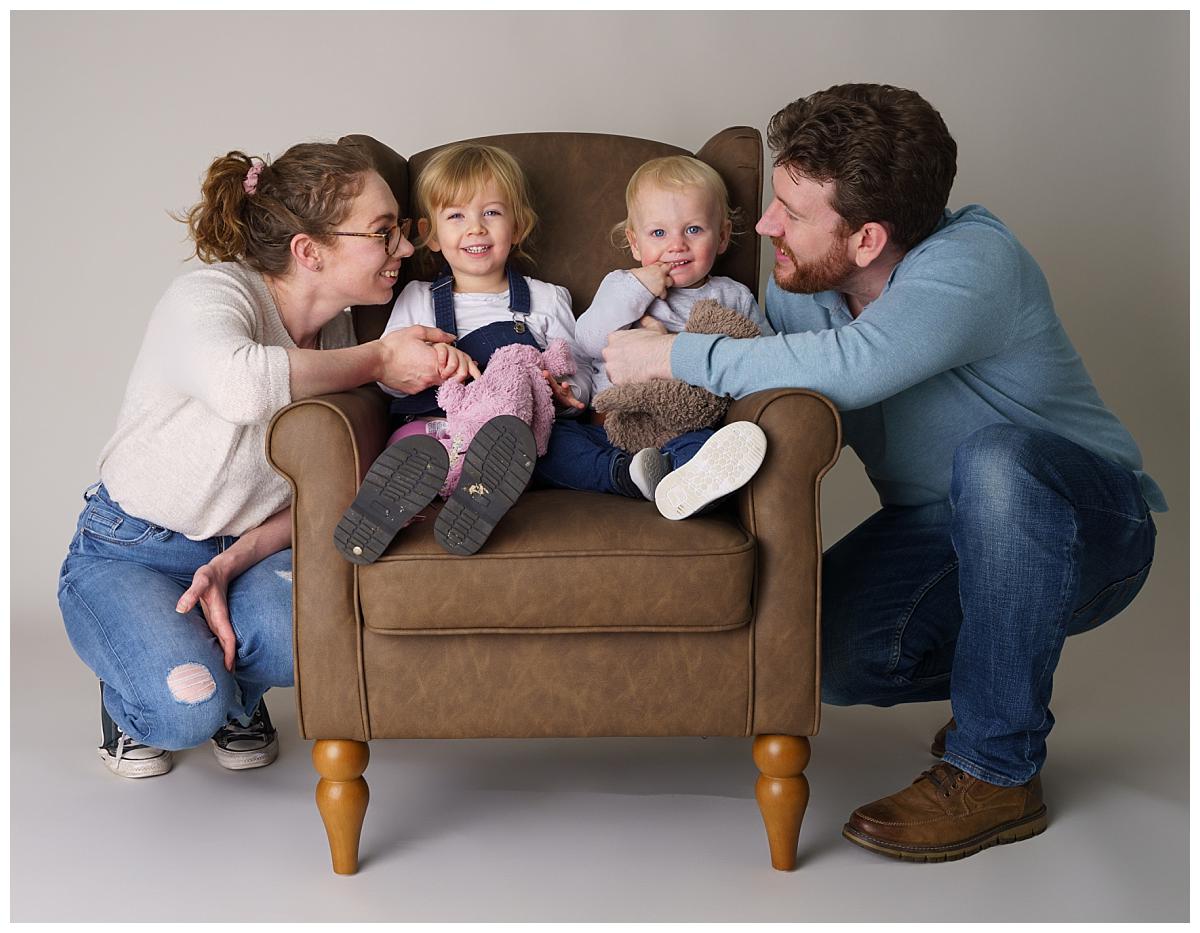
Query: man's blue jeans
point(165, 682)
point(580, 456)
point(971, 599)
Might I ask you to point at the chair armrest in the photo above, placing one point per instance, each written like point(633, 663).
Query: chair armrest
point(781, 508)
point(322, 446)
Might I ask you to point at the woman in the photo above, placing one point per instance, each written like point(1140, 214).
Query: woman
point(176, 589)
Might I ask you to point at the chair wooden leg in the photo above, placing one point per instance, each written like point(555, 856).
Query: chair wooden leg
point(342, 796)
point(782, 792)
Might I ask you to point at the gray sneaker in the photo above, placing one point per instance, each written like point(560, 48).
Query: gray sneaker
point(127, 758)
point(254, 744)
point(647, 468)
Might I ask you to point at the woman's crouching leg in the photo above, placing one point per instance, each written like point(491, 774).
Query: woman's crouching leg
point(164, 681)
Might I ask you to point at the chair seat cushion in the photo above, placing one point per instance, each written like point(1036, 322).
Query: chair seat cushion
point(564, 561)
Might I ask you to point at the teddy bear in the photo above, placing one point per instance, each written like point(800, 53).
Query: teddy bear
point(512, 384)
point(648, 414)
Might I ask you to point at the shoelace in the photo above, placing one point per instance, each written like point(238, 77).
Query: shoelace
point(233, 729)
point(126, 744)
point(939, 773)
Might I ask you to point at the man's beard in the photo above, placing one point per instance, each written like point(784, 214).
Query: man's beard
point(829, 273)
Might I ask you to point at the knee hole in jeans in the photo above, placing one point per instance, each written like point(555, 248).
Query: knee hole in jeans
point(191, 683)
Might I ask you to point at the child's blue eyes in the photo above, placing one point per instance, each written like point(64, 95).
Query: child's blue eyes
point(693, 230)
point(490, 212)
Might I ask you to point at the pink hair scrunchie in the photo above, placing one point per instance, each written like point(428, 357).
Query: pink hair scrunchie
point(250, 184)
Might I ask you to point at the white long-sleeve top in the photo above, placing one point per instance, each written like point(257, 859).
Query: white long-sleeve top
point(188, 452)
point(549, 316)
point(621, 300)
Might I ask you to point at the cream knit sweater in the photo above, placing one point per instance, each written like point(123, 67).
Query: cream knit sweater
point(189, 449)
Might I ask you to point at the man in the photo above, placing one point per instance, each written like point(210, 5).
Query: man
point(1014, 509)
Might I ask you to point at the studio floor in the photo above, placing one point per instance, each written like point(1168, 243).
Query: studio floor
point(600, 829)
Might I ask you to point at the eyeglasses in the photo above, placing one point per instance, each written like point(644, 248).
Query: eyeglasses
point(390, 238)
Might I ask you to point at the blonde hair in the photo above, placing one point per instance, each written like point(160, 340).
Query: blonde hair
point(672, 172)
point(309, 189)
point(455, 173)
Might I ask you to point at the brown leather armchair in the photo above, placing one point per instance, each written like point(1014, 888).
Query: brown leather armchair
point(584, 614)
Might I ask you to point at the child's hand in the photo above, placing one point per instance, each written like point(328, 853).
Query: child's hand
point(453, 364)
point(647, 322)
point(656, 278)
point(564, 392)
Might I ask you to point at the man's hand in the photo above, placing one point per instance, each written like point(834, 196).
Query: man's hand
point(649, 322)
point(209, 586)
point(564, 393)
point(410, 361)
point(656, 278)
point(638, 355)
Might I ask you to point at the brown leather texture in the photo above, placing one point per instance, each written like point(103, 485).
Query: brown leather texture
point(319, 446)
point(584, 614)
point(577, 182)
point(946, 810)
point(525, 686)
point(564, 561)
point(780, 508)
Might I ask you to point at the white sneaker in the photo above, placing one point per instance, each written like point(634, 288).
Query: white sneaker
point(726, 462)
point(255, 744)
point(647, 468)
point(127, 758)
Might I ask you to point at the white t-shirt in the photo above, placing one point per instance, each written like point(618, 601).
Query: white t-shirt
point(549, 317)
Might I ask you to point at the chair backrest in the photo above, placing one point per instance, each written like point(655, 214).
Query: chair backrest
point(578, 185)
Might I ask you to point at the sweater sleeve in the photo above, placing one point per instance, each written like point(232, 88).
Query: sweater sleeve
point(619, 301)
point(210, 348)
point(947, 306)
point(742, 301)
point(560, 322)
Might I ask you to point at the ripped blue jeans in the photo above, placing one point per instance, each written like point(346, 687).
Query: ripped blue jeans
point(165, 682)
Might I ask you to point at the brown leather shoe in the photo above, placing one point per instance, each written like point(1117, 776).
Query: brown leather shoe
point(947, 814)
point(938, 748)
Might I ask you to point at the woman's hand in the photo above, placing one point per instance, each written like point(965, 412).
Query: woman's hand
point(453, 364)
point(209, 586)
point(564, 392)
point(412, 359)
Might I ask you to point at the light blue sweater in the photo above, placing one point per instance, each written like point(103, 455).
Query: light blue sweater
point(963, 335)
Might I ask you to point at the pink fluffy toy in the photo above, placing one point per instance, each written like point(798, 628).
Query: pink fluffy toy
point(512, 384)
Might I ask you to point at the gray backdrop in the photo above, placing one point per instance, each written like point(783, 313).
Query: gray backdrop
point(1073, 128)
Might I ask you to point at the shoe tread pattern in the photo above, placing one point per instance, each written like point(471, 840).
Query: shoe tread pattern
point(725, 463)
point(497, 468)
point(403, 480)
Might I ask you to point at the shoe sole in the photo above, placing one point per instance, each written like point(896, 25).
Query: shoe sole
point(727, 461)
point(1015, 831)
point(403, 480)
point(242, 761)
point(496, 469)
point(647, 472)
point(136, 768)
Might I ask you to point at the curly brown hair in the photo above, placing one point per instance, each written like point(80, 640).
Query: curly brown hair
point(886, 150)
point(308, 189)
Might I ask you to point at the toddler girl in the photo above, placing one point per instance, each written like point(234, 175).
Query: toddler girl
point(475, 211)
point(678, 223)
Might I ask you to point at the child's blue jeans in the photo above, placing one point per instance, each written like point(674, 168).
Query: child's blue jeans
point(580, 456)
point(117, 590)
point(972, 598)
